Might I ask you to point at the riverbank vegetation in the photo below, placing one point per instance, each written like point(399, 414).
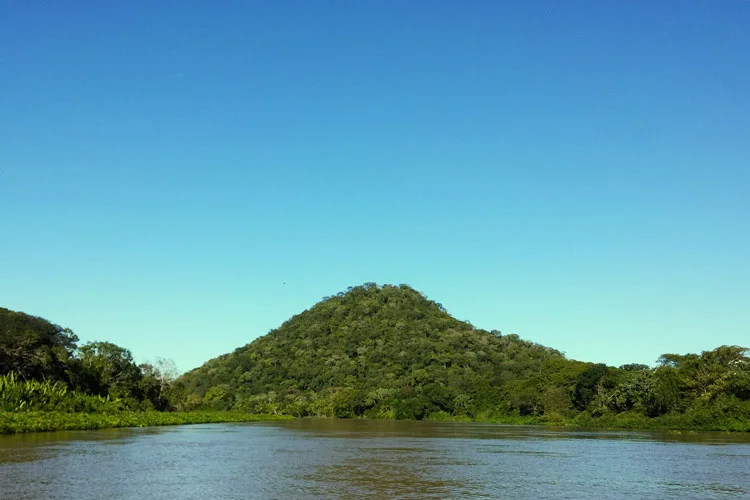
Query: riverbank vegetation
point(42, 421)
point(36, 406)
point(389, 352)
point(371, 352)
point(56, 371)
point(48, 383)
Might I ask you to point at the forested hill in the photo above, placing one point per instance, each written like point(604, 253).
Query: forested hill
point(389, 352)
point(385, 351)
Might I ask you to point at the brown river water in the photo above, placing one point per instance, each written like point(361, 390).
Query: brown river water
point(372, 459)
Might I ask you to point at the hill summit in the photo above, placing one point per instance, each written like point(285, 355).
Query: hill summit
point(382, 351)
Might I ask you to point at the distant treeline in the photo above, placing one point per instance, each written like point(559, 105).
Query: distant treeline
point(377, 352)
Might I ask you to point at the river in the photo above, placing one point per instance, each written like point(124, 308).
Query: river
point(372, 459)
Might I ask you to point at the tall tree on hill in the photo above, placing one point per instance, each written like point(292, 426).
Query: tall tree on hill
point(34, 348)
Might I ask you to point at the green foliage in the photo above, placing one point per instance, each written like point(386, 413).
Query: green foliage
point(633, 391)
point(375, 351)
point(107, 368)
point(34, 348)
point(12, 422)
point(586, 384)
point(32, 395)
point(388, 352)
point(663, 395)
point(18, 395)
point(46, 356)
point(634, 367)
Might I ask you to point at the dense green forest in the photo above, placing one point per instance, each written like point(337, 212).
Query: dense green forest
point(43, 368)
point(389, 352)
point(378, 352)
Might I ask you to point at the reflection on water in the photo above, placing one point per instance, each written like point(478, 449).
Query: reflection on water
point(37, 446)
point(331, 428)
point(385, 475)
point(372, 459)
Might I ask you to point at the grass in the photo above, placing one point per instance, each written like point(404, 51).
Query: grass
point(38, 406)
point(41, 421)
point(17, 395)
point(693, 421)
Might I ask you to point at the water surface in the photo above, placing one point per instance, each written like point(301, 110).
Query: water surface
point(372, 459)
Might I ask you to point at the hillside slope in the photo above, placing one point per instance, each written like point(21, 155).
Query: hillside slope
point(34, 348)
point(381, 351)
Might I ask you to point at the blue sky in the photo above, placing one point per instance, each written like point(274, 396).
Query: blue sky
point(180, 179)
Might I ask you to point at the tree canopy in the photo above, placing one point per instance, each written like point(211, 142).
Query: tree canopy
point(390, 352)
point(386, 352)
point(34, 349)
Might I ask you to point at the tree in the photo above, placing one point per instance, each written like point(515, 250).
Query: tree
point(665, 391)
point(156, 383)
point(585, 387)
point(634, 367)
point(108, 369)
point(34, 348)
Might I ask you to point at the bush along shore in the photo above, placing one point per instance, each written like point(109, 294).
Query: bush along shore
point(44, 421)
point(36, 406)
point(41, 421)
point(706, 420)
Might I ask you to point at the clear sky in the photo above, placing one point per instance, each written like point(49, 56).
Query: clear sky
point(181, 177)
